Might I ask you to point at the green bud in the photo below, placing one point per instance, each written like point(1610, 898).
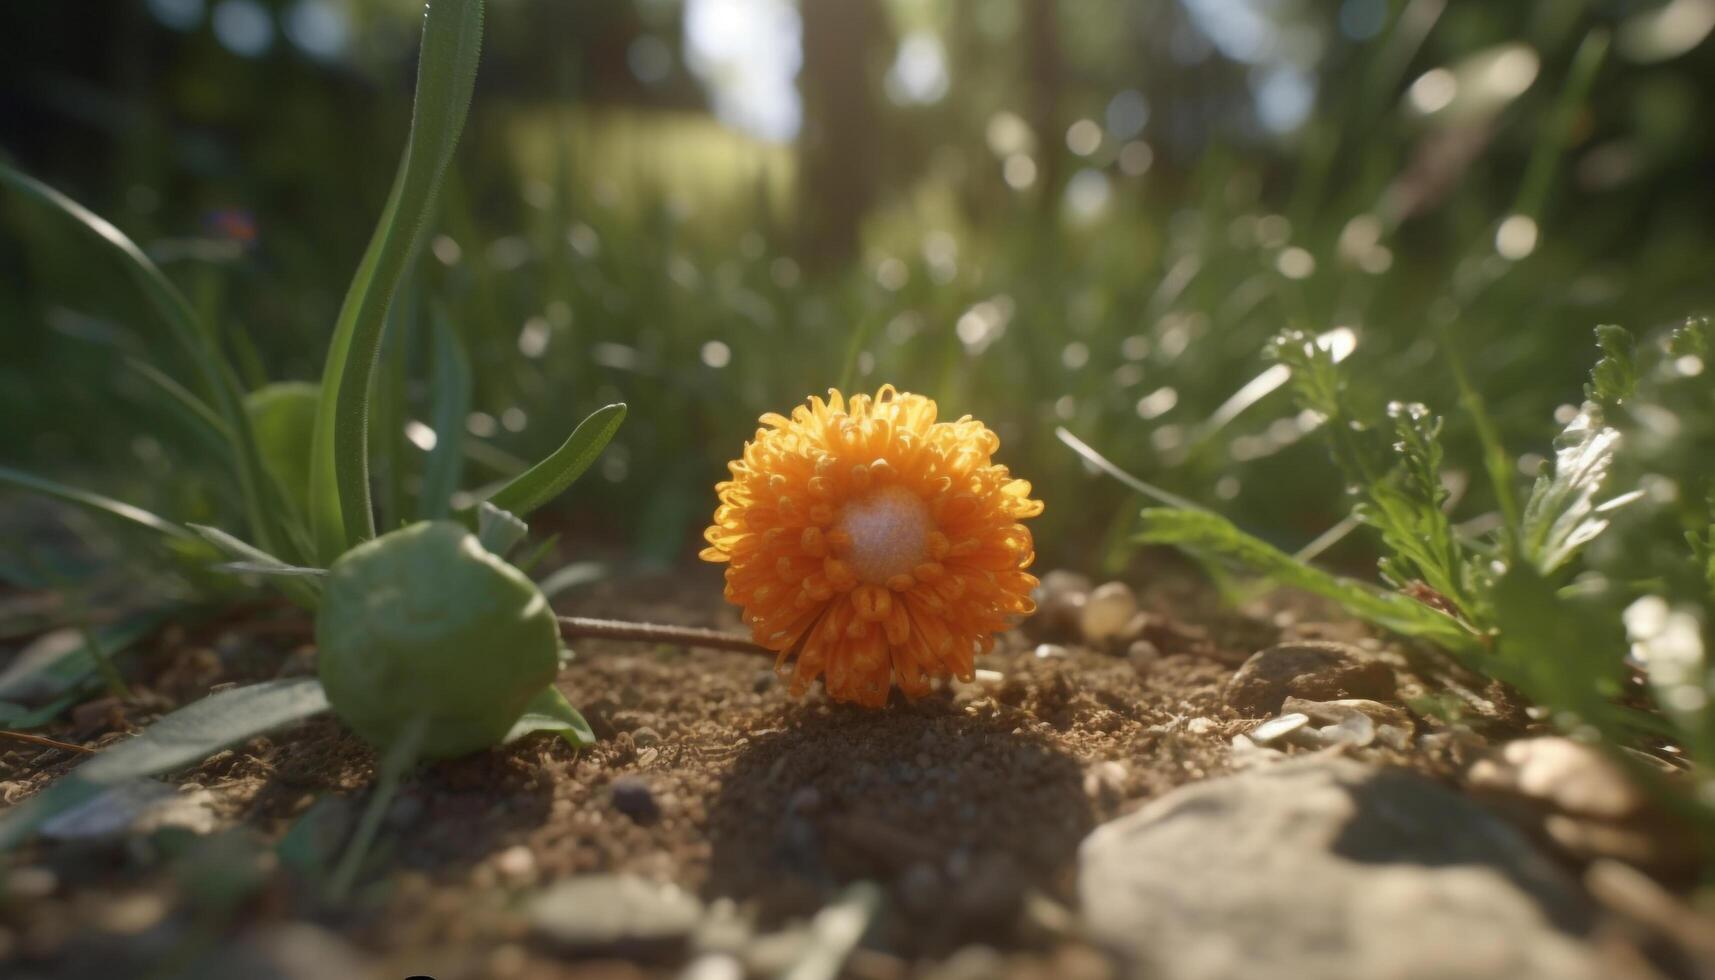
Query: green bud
point(283, 415)
point(424, 622)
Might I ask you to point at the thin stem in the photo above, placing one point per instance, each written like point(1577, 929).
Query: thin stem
point(578, 627)
point(109, 674)
point(1102, 463)
point(44, 741)
point(390, 769)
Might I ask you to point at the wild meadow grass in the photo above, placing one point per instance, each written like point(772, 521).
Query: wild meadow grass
point(1221, 329)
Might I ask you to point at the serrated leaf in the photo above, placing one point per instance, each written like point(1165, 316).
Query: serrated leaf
point(1407, 507)
point(551, 712)
point(1212, 536)
point(552, 476)
point(1615, 375)
point(1691, 338)
point(1562, 514)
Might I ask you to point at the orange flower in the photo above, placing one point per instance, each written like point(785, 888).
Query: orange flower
point(878, 544)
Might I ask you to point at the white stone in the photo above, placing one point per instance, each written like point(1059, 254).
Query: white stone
point(1107, 611)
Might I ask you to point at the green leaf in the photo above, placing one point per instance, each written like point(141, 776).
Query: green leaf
point(1615, 376)
point(1497, 462)
point(1212, 537)
point(550, 478)
point(423, 622)
point(1401, 492)
point(214, 428)
point(573, 575)
point(20, 718)
point(183, 738)
point(1407, 507)
point(61, 662)
point(284, 415)
point(96, 502)
point(1562, 515)
point(498, 530)
point(551, 712)
point(1691, 339)
point(451, 403)
point(341, 515)
point(202, 728)
point(300, 583)
point(170, 304)
point(534, 556)
point(1559, 650)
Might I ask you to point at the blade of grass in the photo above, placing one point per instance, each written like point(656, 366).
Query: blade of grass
point(451, 402)
point(1545, 156)
point(170, 304)
point(550, 478)
point(446, 74)
point(1210, 535)
point(1496, 463)
point(398, 760)
point(94, 501)
point(1102, 463)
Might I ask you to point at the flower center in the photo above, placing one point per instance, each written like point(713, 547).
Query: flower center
point(889, 529)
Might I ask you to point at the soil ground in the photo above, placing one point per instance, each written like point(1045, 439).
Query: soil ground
point(966, 806)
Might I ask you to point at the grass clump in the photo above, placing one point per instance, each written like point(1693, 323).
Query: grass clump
point(1609, 548)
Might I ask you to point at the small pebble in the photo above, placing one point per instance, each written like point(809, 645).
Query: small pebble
point(1048, 651)
point(1143, 655)
point(30, 883)
point(517, 865)
point(1110, 607)
point(714, 966)
point(1137, 625)
point(633, 797)
point(645, 737)
point(1276, 728)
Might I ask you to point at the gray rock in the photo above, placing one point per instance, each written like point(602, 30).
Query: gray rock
point(1331, 869)
point(617, 913)
point(293, 951)
point(1316, 670)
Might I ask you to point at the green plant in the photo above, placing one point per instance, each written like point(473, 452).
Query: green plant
point(425, 622)
point(432, 645)
point(1619, 519)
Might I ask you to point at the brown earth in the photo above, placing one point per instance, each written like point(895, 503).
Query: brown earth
point(966, 806)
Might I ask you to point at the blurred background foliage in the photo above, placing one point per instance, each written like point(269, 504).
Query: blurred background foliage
point(1091, 215)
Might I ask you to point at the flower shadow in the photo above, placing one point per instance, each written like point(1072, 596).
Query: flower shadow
point(960, 816)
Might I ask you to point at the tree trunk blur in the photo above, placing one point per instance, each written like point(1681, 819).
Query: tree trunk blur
point(838, 144)
point(1047, 78)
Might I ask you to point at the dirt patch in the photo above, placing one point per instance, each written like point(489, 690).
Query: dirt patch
point(966, 806)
